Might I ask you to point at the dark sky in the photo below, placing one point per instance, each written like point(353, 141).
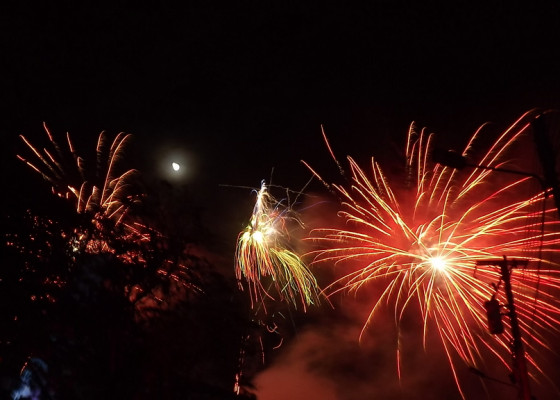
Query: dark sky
point(245, 86)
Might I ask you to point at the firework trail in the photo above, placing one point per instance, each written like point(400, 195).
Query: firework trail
point(264, 260)
point(420, 242)
point(105, 194)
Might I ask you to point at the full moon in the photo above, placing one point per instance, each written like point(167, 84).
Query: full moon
point(175, 166)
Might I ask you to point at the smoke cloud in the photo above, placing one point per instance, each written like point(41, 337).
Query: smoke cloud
point(326, 361)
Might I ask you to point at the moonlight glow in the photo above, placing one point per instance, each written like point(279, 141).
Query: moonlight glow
point(175, 162)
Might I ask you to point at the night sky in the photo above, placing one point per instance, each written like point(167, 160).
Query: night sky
point(246, 87)
point(241, 89)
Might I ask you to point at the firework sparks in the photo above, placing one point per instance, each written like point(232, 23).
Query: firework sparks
point(264, 260)
point(100, 192)
point(104, 194)
point(107, 197)
point(66, 172)
point(421, 243)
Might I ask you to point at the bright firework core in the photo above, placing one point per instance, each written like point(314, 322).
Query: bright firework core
point(258, 236)
point(438, 263)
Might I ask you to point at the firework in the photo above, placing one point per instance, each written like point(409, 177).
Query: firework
point(104, 194)
point(264, 260)
point(65, 170)
point(418, 240)
point(114, 222)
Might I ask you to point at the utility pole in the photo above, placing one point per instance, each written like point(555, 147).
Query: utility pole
point(518, 353)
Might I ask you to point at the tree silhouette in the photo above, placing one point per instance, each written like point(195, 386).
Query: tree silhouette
point(130, 307)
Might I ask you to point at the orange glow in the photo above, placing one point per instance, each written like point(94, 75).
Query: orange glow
point(420, 244)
